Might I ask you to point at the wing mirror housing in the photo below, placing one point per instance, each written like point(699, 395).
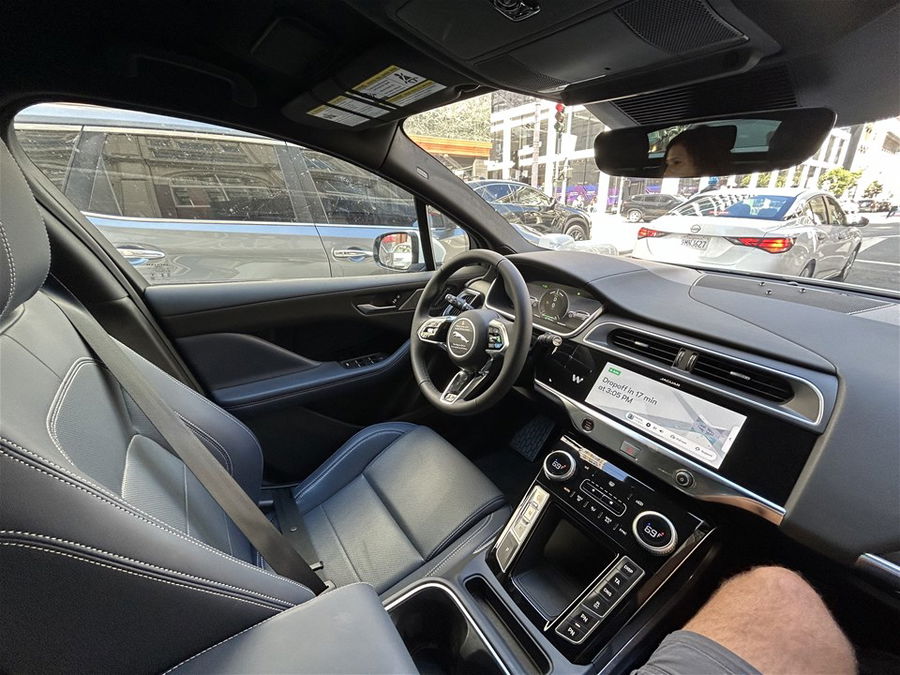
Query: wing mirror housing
point(714, 146)
point(398, 251)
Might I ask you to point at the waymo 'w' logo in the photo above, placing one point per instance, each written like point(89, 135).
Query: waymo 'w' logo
point(577, 379)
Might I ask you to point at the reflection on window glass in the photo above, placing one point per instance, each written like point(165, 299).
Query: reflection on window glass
point(189, 202)
point(736, 205)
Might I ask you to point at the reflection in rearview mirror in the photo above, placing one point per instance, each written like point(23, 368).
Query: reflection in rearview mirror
point(714, 147)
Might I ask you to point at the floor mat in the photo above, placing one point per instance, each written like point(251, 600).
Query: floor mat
point(509, 471)
point(529, 440)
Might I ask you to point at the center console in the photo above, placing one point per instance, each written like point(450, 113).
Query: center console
point(587, 546)
point(592, 568)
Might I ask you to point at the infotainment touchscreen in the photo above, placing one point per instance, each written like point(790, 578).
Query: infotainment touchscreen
point(701, 429)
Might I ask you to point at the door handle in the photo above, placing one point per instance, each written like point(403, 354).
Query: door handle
point(352, 254)
point(138, 256)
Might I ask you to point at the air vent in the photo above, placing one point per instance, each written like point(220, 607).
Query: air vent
point(738, 376)
point(725, 96)
point(653, 348)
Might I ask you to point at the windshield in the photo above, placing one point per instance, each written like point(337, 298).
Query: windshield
point(723, 204)
point(834, 216)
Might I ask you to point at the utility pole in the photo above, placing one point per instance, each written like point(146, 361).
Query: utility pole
point(535, 144)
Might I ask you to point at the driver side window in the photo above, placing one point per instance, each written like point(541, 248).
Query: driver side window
point(185, 202)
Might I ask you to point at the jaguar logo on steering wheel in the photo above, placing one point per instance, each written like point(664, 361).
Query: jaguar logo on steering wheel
point(461, 337)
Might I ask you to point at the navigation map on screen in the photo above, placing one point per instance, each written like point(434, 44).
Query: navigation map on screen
point(701, 429)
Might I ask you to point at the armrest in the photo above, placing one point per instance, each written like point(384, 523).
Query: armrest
point(343, 631)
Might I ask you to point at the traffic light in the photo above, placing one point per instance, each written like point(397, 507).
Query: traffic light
point(560, 125)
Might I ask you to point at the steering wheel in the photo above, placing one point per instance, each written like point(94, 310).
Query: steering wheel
point(474, 340)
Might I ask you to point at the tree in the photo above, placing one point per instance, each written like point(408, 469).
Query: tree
point(838, 181)
point(873, 190)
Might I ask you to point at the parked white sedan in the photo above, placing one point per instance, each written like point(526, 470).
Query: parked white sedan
point(789, 231)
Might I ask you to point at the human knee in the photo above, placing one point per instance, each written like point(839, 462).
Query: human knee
point(775, 581)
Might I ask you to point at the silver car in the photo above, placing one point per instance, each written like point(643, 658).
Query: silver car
point(789, 231)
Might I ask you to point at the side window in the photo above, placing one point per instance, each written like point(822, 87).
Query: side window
point(186, 202)
point(838, 217)
point(531, 197)
point(815, 209)
point(448, 238)
point(498, 192)
point(51, 148)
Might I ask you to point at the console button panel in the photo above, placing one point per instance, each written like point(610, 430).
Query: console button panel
point(518, 527)
point(614, 502)
point(602, 598)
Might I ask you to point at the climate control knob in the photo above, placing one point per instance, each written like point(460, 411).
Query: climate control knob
point(655, 532)
point(559, 465)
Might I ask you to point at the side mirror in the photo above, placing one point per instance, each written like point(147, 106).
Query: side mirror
point(397, 251)
point(862, 222)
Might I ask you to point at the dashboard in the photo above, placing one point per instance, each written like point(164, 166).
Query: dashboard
point(764, 395)
point(561, 308)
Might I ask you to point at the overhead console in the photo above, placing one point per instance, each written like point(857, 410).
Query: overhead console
point(586, 50)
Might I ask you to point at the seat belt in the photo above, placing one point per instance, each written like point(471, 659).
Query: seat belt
point(250, 520)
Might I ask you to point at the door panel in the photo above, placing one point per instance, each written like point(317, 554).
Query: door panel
point(287, 357)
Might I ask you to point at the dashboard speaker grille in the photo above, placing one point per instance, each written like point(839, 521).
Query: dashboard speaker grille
point(677, 26)
point(658, 350)
point(738, 376)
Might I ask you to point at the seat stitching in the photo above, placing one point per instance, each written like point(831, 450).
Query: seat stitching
point(135, 574)
point(58, 399)
point(340, 543)
point(131, 510)
point(221, 411)
point(469, 520)
point(434, 570)
point(333, 463)
point(218, 446)
point(227, 530)
point(222, 642)
point(187, 515)
point(12, 269)
point(142, 562)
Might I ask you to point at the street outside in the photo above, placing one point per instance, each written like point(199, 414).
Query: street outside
point(877, 266)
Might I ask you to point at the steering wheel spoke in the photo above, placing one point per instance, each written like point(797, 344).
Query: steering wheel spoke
point(433, 330)
point(462, 384)
point(498, 340)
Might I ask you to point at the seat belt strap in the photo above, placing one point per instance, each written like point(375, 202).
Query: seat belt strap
point(250, 520)
point(292, 525)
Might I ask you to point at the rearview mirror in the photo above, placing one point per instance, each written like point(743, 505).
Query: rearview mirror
point(756, 142)
point(397, 251)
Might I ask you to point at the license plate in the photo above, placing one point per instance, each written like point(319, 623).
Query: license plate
point(697, 243)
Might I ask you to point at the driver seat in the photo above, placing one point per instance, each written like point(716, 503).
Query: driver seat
point(106, 538)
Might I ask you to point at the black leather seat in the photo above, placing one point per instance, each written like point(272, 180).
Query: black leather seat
point(106, 538)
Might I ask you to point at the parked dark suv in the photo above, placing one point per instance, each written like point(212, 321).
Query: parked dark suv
point(647, 207)
point(524, 205)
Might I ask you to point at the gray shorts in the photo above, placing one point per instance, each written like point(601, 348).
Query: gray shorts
point(687, 653)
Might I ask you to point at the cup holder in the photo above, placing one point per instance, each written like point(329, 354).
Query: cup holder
point(439, 633)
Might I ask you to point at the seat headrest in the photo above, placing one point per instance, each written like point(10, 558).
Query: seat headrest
point(24, 247)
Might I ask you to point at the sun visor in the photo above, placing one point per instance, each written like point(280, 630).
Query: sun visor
point(382, 85)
